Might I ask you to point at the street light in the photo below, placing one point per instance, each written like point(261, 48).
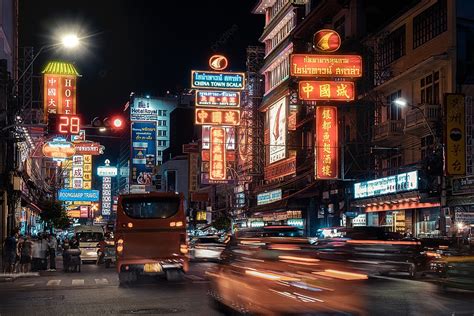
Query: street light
point(401, 102)
point(70, 41)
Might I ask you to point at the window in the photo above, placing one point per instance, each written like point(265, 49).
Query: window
point(430, 23)
point(393, 47)
point(162, 143)
point(150, 208)
point(278, 74)
point(159, 153)
point(162, 133)
point(163, 113)
point(429, 88)
point(427, 144)
point(280, 35)
point(394, 112)
point(163, 123)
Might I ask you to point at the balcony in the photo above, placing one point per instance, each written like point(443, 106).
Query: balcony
point(414, 121)
point(388, 132)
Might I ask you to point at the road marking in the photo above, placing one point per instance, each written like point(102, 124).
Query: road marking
point(28, 285)
point(193, 277)
point(101, 281)
point(78, 282)
point(53, 282)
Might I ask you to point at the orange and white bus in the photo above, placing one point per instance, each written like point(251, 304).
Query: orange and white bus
point(150, 236)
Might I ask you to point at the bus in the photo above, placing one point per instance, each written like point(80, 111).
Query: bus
point(150, 236)
point(88, 237)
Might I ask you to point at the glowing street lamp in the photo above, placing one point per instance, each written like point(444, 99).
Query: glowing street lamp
point(70, 41)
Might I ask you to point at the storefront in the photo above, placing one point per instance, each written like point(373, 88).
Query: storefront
point(396, 203)
point(461, 207)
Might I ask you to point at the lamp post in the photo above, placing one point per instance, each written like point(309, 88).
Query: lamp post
point(438, 144)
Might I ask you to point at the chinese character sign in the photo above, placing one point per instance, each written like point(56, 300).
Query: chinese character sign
point(326, 144)
point(326, 90)
point(455, 134)
point(217, 156)
point(217, 117)
point(59, 94)
point(277, 124)
point(106, 195)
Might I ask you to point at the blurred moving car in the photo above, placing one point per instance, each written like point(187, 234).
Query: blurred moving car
point(206, 248)
point(376, 250)
point(271, 271)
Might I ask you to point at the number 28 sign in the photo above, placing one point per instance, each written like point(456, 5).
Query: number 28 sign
point(64, 124)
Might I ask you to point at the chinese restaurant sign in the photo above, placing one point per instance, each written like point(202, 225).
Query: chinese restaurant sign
point(327, 41)
point(455, 134)
point(217, 80)
point(326, 90)
point(326, 143)
point(228, 117)
point(218, 98)
point(217, 159)
point(311, 65)
point(143, 151)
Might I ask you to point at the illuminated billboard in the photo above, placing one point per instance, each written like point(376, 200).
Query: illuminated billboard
point(228, 117)
point(59, 82)
point(327, 41)
point(143, 151)
point(59, 149)
point(277, 124)
point(217, 80)
point(78, 195)
point(326, 144)
point(217, 164)
point(230, 137)
point(394, 184)
point(88, 148)
point(150, 109)
point(312, 65)
point(215, 98)
point(326, 90)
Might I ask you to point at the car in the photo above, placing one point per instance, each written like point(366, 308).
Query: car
point(266, 272)
point(206, 248)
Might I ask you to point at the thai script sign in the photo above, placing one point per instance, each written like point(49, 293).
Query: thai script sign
point(218, 98)
point(312, 65)
point(217, 80)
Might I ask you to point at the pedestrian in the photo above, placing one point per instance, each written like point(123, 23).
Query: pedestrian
point(52, 245)
point(44, 249)
point(10, 247)
point(101, 253)
point(25, 255)
point(35, 254)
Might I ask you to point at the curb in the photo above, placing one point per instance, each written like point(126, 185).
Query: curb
point(6, 277)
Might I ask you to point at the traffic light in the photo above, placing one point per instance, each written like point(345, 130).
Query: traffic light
point(108, 123)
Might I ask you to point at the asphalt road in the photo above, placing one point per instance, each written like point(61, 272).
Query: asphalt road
point(95, 291)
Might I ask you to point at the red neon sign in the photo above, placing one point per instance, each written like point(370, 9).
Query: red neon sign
point(312, 65)
point(217, 117)
point(327, 151)
point(69, 124)
point(59, 94)
point(217, 154)
point(326, 90)
point(327, 40)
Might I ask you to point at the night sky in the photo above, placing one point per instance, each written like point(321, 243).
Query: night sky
point(147, 47)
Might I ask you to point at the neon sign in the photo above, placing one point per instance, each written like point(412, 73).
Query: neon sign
point(217, 80)
point(218, 154)
point(312, 65)
point(58, 149)
point(326, 90)
point(326, 164)
point(218, 62)
point(217, 117)
point(218, 98)
point(69, 124)
point(327, 40)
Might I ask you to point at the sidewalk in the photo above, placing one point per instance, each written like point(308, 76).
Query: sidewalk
point(10, 277)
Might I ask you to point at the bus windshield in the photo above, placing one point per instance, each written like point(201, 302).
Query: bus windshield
point(150, 207)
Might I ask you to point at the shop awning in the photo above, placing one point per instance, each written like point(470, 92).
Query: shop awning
point(26, 201)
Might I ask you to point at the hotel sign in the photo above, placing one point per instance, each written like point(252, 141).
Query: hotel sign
point(402, 182)
point(326, 90)
point(269, 197)
point(327, 151)
point(218, 98)
point(227, 117)
point(312, 65)
point(217, 80)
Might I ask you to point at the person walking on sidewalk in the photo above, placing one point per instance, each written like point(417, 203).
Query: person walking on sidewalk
point(10, 252)
point(52, 245)
point(25, 255)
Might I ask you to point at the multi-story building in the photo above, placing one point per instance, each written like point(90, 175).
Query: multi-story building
point(418, 56)
point(290, 194)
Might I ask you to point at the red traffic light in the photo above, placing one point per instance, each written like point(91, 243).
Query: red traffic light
point(117, 122)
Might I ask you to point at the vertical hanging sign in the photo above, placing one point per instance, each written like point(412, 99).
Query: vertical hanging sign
point(51, 94)
point(326, 144)
point(455, 134)
point(217, 154)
